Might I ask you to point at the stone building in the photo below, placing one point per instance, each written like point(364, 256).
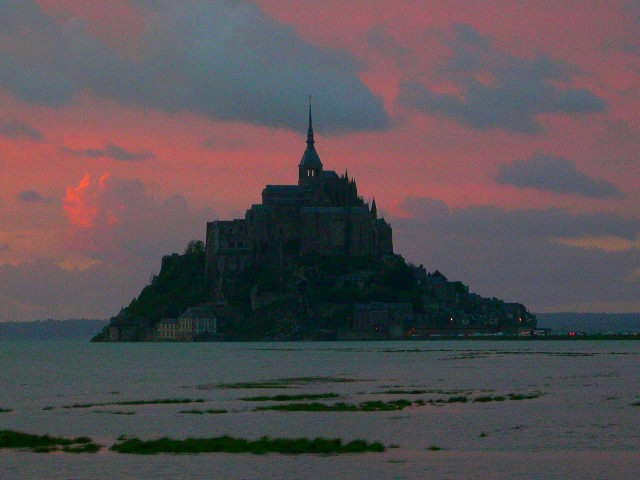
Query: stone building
point(167, 329)
point(320, 216)
point(381, 320)
point(192, 324)
point(195, 323)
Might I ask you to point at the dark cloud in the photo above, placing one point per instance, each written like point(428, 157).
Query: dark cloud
point(4, 247)
point(32, 196)
point(519, 254)
point(489, 220)
point(497, 89)
point(224, 143)
point(226, 60)
point(43, 289)
point(555, 174)
point(631, 44)
point(19, 130)
point(111, 151)
point(633, 8)
point(379, 39)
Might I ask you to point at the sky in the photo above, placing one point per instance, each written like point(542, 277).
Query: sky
point(501, 139)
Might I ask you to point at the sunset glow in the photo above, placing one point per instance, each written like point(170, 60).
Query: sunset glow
point(500, 139)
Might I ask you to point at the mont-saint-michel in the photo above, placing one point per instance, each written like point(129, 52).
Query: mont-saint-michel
point(312, 261)
point(431, 271)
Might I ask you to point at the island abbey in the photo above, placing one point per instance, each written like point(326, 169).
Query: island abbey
point(320, 216)
point(312, 261)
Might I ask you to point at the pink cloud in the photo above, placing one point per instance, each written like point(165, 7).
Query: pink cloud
point(112, 219)
point(141, 210)
point(83, 203)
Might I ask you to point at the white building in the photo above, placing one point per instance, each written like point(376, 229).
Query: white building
point(196, 322)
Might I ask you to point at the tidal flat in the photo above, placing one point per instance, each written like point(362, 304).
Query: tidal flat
point(470, 410)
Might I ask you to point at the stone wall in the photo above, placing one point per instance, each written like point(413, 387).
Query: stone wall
point(336, 231)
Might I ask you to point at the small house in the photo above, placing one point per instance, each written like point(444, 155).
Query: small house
point(196, 323)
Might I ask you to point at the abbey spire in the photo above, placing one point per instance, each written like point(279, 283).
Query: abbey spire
point(310, 140)
point(310, 168)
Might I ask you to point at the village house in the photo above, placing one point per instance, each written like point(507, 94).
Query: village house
point(195, 323)
point(167, 329)
point(379, 320)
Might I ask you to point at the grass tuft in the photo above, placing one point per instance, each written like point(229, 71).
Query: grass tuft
point(373, 406)
point(484, 399)
point(288, 398)
point(46, 443)
point(404, 392)
point(458, 399)
point(226, 444)
point(161, 401)
point(86, 448)
point(116, 412)
point(211, 411)
point(511, 396)
point(523, 396)
point(287, 382)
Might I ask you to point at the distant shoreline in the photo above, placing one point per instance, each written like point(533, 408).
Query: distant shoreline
point(591, 324)
point(45, 330)
point(488, 338)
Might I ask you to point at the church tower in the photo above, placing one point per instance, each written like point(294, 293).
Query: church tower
point(310, 168)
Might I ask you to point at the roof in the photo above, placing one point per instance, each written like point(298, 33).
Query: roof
point(332, 210)
point(310, 158)
point(283, 189)
point(197, 312)
point(168, 321)
point(282, 194)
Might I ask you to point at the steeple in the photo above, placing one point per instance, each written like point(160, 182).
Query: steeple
point(374, 209)
point(310, 167)
point(310, 140)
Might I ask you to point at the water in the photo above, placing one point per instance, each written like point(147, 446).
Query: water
point(583, 426)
